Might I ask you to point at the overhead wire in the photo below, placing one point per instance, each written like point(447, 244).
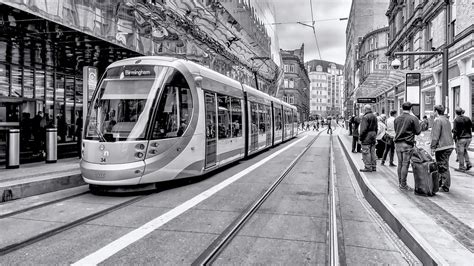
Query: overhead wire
point(314, 30)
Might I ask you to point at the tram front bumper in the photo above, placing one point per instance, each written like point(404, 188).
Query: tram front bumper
point(112, 174)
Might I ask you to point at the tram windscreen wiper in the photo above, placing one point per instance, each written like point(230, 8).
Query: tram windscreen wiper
point(99, 133)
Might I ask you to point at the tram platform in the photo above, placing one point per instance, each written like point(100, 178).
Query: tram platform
point(439, 228)
point(39, 178)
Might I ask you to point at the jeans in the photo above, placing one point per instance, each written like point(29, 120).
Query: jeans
point(463, 155)
point(442, 161)
point(369, 157)
point(355, 139)
point(379, 148)
point(329, 128)
point(389, 147)
point(404, 152)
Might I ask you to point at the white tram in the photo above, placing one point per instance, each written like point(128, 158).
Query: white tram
point(159, 118)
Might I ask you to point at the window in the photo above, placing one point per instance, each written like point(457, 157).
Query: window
point(16, 81)
point(261, 119)
point(291, 84)
point(292, 68)
point(253, 118)
point(452, 24)
point(285, 83)
point(428, 37)
point(292, 99)
point(285, 68)
point(236, 117)
point(224, 117)
point(4, 79)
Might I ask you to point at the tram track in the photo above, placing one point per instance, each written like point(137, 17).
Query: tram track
point(209, 255)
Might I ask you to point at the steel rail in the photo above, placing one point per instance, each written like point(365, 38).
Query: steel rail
point(332, 232)
point(220, 243)
point(12, 247)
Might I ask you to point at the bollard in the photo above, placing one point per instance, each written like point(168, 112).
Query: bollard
point(51, 145)
point(13, 149)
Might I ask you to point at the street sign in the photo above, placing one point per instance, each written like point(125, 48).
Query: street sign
point(413, 91)
point(366, 100)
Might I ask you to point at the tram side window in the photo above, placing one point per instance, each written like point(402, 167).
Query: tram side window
point(174, 113)
point(262, 118)
point(268, 124)
point(253, 118)
point(224, 122)
point(236, 117)
point(277, 118)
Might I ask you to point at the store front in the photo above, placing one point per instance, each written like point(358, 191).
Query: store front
point(41, 75)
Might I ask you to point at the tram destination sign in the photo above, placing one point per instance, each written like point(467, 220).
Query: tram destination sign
point(366, 100)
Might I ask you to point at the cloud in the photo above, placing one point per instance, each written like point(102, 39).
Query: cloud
point(330, 34)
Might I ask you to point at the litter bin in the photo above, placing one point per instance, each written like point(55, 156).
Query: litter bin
point(51, 145)
point(13, 149)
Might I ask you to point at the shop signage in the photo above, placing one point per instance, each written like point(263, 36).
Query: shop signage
point(427, 82)
point(366, 100)
point(413, 91)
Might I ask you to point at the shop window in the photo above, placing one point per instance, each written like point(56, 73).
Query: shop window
point(236, 117)
point(16, 81)
point(49, 95)
point(28, 83)
point(78, 95)
point(69, 112)
point(39, 84)
point(4, 79)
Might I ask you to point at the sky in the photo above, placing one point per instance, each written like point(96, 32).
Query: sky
point(331, 34)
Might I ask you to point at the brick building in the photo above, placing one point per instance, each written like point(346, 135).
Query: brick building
point(295, 89)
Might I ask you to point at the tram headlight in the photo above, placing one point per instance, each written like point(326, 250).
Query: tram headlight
point(139, 155)
point(140, 146)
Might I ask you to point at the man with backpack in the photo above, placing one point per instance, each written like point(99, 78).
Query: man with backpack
point(367, 136)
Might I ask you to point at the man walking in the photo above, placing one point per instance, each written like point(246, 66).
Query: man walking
point(442, 145)
point(390, 145)
point(329, 125)
point(367, 135)
point(462, 134)
point(406, 127)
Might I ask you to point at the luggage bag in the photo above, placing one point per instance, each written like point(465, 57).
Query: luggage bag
point(425, 172)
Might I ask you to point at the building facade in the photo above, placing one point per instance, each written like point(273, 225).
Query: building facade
point(419, 25)
point(295, 87)
point(44, 46)
point(365, 16)
point(326, 87)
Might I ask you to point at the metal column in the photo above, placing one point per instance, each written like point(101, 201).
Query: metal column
point(13, 149)
point(51, 145)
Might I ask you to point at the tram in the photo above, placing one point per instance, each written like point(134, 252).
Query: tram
point(153, 119)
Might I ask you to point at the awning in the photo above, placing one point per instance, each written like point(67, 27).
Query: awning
point(383, 80)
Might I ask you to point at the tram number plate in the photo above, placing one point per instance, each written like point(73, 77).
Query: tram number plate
point(103, 160)
point(100, 175)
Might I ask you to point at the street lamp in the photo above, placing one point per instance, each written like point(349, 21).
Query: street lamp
point(262, 58)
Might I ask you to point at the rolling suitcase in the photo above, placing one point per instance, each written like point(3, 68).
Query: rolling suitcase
point(425, 173)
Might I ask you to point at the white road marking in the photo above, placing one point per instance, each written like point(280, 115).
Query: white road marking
point(135, 235)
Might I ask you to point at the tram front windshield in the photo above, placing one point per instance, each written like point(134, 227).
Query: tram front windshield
point(121, 107)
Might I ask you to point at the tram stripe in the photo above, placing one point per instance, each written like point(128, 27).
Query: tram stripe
point(135, 235)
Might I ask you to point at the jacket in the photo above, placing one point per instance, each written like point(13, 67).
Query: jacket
point(441, 138)
point(355, 126)
point(381, 130)
point(462, 128)
point(368, 129)
point(406, 127)
point(391, 126)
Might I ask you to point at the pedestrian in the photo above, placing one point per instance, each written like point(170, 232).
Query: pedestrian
point(442, 145)
point(462, 134)
point(307, 125)
point(355, 134)
point(367, 136)
point(351, 126)
point(389, 135)
point(329, 125)
point(406, 127)
point(424, 123)
point(78, 134)
point(36, 129)
point(380, 146)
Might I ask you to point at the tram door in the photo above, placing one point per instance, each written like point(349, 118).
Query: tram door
point(211, 129)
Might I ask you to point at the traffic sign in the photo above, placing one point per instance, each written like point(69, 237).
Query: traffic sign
point(366, 100)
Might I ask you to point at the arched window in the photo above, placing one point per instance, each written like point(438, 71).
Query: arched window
point(319, 68)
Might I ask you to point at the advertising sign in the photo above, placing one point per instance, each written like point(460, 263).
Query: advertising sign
point(89, 75)
point(366, 100)
point(413, 91)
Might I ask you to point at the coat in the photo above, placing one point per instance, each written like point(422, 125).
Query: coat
point(368, 129)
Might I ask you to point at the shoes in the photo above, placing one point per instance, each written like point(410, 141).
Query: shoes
point(374, 169)
point(468, 167)
point(445, 189)
point(353, 151)
point(382, 163)
point(366, 170)
point(405, 188)
point(392, 164)
point(462, 170)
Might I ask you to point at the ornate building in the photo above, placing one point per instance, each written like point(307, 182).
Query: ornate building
point(295, 82)
point(326, 88)
point(421, 25)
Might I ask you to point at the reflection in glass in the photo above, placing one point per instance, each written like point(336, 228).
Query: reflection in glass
point(4, 79)
point(16, 81)
point(49, 95)
point(70, 107)
point(39, 84)
point(28, 83)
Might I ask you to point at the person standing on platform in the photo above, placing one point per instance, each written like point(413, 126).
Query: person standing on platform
point(442, 145)
point(390, 134)
point(355, 134)
point(329, 119)
point(380, 146)
point(367, 136)
point(406, 127)
point(424, 123)
point(351, 126)
point(462, 134)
